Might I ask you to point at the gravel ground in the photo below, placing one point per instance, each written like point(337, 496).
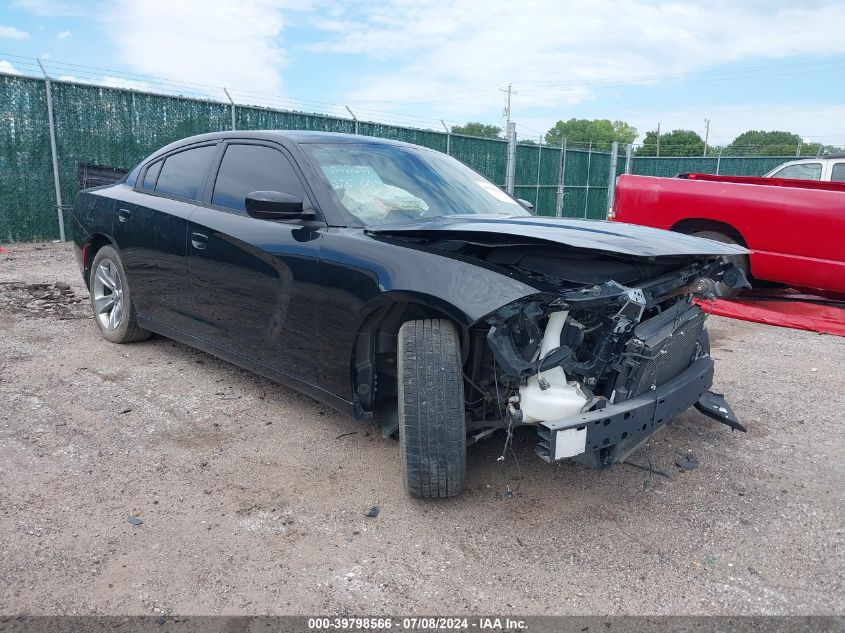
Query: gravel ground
point(253, 497)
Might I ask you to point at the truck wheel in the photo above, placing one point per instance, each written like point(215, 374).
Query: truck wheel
point(111, 299)
point(740, 261)
point(432, 428)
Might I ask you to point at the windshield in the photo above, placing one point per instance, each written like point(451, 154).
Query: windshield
point(381, 184)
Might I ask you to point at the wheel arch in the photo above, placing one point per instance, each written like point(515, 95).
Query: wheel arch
point(372, 366)
point(694, 225)
point(90, 249)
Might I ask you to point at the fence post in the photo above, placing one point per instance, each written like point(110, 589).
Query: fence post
point(561, 172)
point(587, 188)
point(719, 161)
point(354, 118)
point(511, 163)
point(629, 156)
point(448, 137)
point(53, 152)
point(539, 166)
point(234, 126)
point(611, 184)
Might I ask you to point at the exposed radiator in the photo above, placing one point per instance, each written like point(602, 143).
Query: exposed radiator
point(669, 341)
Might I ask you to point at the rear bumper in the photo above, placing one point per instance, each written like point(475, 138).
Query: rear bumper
point(624, 423)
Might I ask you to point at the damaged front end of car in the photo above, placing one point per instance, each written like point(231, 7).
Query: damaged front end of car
point(598, 368)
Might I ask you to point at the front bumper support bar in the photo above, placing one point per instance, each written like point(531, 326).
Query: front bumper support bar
point(638, 417)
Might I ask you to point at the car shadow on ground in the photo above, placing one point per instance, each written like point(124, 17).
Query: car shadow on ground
point(515, 471)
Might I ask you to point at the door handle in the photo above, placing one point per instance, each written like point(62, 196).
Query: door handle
point(123, 215)
point(199, 241)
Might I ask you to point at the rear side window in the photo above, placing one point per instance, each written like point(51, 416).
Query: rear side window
point(803, 171)
point(152, 176)
point(247, 168)
point(838, 173)
point(183, 174)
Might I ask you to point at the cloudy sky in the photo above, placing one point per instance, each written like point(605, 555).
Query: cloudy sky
point(742, 64)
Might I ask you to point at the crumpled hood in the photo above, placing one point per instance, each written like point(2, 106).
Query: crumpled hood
point(611, 237)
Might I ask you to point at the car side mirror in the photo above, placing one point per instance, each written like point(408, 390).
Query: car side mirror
point(275, 205)
point(526, 204)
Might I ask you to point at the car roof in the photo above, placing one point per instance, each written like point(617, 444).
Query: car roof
point(812, 159)
point(295, 136)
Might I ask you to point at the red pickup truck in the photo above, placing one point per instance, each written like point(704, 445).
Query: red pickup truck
point(795, 229)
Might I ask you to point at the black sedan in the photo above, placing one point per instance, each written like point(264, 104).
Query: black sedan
point(396, 284)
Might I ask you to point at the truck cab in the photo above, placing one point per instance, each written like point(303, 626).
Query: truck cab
point(829, 168)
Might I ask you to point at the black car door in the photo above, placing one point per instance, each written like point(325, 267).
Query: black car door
point(150, 229)
point(254, 281)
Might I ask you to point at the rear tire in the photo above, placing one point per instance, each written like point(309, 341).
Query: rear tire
point(111, 299)
point(740, 261)
point(432, 427)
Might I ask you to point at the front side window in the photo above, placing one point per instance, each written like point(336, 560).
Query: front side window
point(802, 171)
point(837, 174)
point(183, 174)
point(381, 184)
point(248, 168)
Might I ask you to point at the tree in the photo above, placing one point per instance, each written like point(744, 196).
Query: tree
point(674, 143)
point(473, 128)
point(773, 143)
point(601, 132)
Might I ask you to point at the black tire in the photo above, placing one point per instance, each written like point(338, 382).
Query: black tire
point(127, 329)
point(740, 261)
point(432, 428)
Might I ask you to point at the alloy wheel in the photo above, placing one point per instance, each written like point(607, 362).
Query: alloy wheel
point(108, 295)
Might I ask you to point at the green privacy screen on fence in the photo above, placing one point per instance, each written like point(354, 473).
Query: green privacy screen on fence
point(118, 128)
point(27, 199)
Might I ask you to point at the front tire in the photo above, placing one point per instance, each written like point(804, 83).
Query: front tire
point(432, 427)
point(111, 299)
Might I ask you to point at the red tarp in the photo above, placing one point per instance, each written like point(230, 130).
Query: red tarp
point(785, 308)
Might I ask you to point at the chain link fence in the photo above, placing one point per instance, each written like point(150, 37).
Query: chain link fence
point(117, 128)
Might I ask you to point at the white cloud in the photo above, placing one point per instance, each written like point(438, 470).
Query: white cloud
point(12, 33)
point(214, 43)
point(64, 35)
point(456, 53)
point(8, 68)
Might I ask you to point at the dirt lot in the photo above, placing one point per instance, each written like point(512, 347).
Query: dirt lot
point(253, 497)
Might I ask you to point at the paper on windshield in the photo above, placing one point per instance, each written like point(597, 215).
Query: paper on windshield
point(494, 191)
point(351, 176)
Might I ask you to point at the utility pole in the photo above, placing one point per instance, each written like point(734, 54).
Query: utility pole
point(706, 135)
point(658, 140)
point(510, 91)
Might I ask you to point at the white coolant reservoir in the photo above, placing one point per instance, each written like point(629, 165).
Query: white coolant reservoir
point(563, 397)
